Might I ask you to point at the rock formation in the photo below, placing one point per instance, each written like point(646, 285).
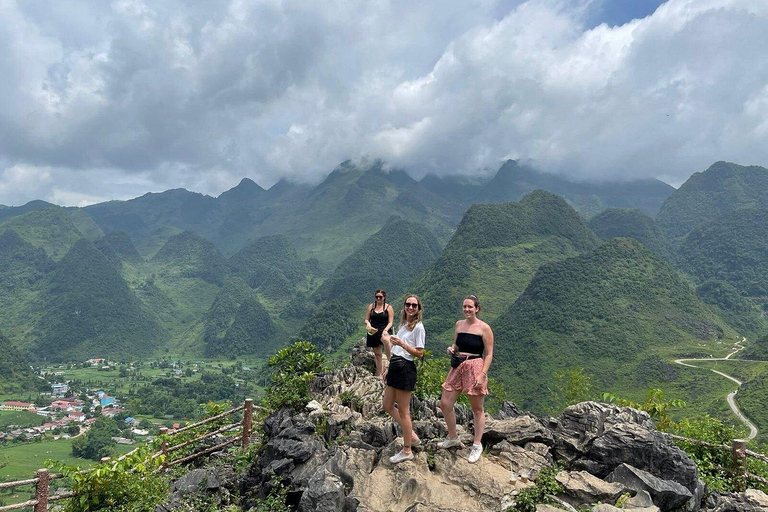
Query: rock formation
point(334, 456)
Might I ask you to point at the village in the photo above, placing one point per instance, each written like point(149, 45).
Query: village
point(69, 416)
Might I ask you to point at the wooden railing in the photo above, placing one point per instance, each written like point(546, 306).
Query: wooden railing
point(44, 477)
point(739, 454)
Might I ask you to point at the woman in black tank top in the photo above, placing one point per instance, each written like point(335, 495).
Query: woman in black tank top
point(378, 318)
point(471, 356)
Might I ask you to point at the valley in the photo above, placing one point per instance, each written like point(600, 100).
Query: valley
point(211, 287)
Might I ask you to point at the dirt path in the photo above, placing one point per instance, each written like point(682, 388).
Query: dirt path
point(730, 397)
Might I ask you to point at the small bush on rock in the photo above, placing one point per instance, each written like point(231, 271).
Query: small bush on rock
point(293, 368)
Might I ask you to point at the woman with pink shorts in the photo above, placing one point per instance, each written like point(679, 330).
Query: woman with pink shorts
point(471, 356)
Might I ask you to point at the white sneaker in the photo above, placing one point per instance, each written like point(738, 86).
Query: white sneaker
point(474, 455)
point(400, 457)
point(449, 442)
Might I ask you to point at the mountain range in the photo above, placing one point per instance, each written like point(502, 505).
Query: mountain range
point(576, 275)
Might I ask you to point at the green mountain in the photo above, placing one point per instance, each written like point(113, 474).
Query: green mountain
point(52, 229)
point(15, 374)
point(89, 311)
point(237, 324)
point(732, 248)
point(117, 246)
point(706, 196)
point(389, 259)
point(257, 260)
point(495, 252)
point(7, 212)
point(355, 201)
point(742, 313)
point(757, 350)
point(514, 180)
point(616, 312)
point(631, 223)
point(190, 255)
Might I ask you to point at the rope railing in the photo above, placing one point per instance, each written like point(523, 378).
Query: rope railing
point(44, 477)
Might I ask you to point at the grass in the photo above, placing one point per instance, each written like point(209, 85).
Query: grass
point(21, 462)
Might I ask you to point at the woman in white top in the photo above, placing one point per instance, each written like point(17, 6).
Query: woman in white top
point(400, 375)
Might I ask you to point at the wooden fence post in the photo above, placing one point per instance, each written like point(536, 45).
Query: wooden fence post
point(41, 490)
point(739, 453)
point(164, 445)
point(247, 421)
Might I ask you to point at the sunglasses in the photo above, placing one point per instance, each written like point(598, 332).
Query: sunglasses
point(411, 305)
point(379, 296)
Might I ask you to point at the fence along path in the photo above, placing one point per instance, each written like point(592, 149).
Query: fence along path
point(44, 477)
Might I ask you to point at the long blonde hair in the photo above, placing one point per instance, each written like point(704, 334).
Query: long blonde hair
point(416, 318)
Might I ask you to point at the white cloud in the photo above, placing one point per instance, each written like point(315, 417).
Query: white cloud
point(114, 97)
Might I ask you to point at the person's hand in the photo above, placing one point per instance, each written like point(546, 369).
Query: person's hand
point(394, 340)
point(450, 350)
point(383, 375)
point(480, 379)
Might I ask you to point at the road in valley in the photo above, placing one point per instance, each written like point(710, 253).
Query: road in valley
point(730, 398)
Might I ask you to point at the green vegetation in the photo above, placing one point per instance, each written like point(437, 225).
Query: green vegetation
point(174, 398)
point(97, 443)
point(707, 196)
point(546, 484)
point(292, 368)
point(21, 419)
point(611, 312)
point(51, 229)
point(190, 255)
point(631, 223)
point(89, 310)
point(15, 374)
point(495, 252)
point(237, 324)
point(389, 259)
point(733, 248)
point(259, 259)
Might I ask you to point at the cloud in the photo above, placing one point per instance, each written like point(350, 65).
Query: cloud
point(113, 97)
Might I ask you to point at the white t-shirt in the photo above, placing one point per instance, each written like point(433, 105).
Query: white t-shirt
point(414, 338)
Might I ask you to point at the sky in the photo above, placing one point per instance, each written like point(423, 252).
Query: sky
point(111, 99)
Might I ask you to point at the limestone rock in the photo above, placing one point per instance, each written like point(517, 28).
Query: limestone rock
point(518, 430)
point(666, 494)
point(750, 500)
point(582, 487)
point(640, 500)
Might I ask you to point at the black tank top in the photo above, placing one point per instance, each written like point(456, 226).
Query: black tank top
point(379, 320)
point(470, 343)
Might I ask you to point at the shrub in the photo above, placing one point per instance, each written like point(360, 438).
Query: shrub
point(293, 368)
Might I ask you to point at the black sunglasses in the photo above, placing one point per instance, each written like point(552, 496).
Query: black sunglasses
point(411, 305)
point(379, 296)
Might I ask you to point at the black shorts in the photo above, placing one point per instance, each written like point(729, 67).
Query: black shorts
point(374, 340)
point(402, 374)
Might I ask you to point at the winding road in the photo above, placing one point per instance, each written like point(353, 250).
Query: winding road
point(730, 398)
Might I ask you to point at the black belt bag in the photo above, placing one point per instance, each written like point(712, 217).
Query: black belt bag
point(456, 359)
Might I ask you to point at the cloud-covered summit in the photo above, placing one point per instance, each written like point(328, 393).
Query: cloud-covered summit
point(108, 100)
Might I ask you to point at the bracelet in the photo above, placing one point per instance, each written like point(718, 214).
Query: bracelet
point(484, 373)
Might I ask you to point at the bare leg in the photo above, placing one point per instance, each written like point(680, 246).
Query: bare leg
point(388, 403)
point(476, 402)
point(377, 357)
point(403, 399)
point(446, 405)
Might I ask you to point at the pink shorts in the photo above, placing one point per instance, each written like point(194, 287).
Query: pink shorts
point(463, 378)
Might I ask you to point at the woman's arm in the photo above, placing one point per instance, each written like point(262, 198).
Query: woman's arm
point(488, 354)
point(391, 317)
point(454, 348)
point(368, 326)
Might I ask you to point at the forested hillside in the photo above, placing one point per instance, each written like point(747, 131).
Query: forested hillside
point(632, 223)
point(389, 259)
point(495, 252)
point(706, 196)
point(15, 374)
point(611, 311)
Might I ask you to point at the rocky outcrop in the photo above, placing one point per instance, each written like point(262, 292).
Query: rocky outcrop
point(334, 456)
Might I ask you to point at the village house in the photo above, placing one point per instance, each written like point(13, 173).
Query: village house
point(12, 405)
